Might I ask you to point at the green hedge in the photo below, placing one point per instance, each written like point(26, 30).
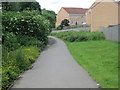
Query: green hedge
point(9, 41)
point(18, 52)
point(24, 36)
point(29, 23)
point(74, 36)
point(17, 55)
point(12, 42)
point(29, 41)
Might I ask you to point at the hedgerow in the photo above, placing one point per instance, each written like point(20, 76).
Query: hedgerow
point(24, 36)
point(29, 23)
point(74, 36)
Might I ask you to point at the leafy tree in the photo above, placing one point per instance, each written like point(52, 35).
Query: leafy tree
point(11, 6)
point(28, 23)
point(30, 6)
point(20, 6)
point(64, 22)
point(50, 15)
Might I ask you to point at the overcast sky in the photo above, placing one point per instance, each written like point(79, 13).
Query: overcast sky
point(55, 5)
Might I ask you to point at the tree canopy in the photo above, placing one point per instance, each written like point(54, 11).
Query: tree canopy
point(20, 6)
point(49, 15)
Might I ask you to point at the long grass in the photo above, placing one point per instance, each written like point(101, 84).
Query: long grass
point(73, 36)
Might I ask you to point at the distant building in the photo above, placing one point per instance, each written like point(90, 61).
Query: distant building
point(76, 16)
point(102, 14)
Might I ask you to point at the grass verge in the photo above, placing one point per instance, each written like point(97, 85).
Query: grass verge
point(99, 58)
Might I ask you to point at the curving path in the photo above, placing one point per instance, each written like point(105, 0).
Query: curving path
point(56, 68)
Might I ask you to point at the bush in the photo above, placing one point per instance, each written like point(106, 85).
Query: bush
point(15, 62)
point(73, 36)
point(29, 23)
point(24, 35)
point(65, 22)
point(29, 41)
point(59, 27)
point(10, 41)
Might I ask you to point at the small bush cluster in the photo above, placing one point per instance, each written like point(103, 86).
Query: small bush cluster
point(58, 27)
point(15, 62)
point(73, 36)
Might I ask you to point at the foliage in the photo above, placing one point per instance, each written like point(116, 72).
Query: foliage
point(59, 27)
point(9, 40)
point(99, 59)
point(29, 23)
point(15, 62)
point(29, 41)
point(12, 42)
point(24, 36)
point(74, 36)
point(30, 6)
point(49, 15)
point(65, 22)
point(76, 26)
point(17, 54)
point(20, 6)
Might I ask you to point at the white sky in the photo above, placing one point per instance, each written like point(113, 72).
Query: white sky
point(56, 5)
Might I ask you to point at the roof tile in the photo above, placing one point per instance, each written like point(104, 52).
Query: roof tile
point(76, 10)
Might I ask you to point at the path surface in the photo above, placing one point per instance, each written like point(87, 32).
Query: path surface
point(56, 68)
point(73, 29)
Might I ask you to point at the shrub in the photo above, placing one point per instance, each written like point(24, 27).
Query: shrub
point(29, 23)
point(65, 22)
point(10, 41)
point(15, 62)
point(23, 33)
point(73, 36)
point(59, 27)
point(29, 41)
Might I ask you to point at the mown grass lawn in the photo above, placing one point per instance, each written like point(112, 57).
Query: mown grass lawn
point(99, 59)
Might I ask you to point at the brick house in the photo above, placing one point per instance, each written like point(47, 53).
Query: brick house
point(102, 14)
point(76, 16)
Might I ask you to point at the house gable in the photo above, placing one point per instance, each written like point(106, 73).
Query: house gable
point(102, 14)
point(74, 15)
point(97, 2)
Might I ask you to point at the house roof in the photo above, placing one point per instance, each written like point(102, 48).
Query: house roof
point(75, 10)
